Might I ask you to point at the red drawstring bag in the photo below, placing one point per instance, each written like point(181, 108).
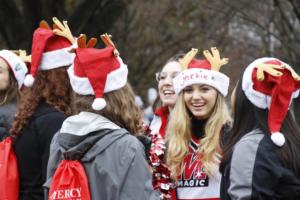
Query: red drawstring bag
point(9, 174)
point(69, 182)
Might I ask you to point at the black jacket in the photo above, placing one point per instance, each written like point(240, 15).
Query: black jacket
point(255, 171)
point(32, 150)
point(7, 113)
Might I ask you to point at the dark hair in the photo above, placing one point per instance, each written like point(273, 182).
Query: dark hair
point(176, 57)
point(11, 93)
point(120, 109)
point(248, 117)
point(53, 87)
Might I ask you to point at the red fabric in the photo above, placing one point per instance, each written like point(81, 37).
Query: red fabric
point(95, 64)
point(173, 194)
point(280, 89)
point(44, 40)
point(9, 174)
point(202, 64)
point(69, 182)
point(39, 41)
point(163, 113)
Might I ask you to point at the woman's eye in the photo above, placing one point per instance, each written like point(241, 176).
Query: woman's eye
point(174, 75)
point(162, 77)
point(205, 89)
point(188, 90)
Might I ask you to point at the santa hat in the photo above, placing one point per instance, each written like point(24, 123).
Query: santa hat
point(273, 92)
point(16, 64)
point(201, 72)
point(49, 51)
point(97, 71)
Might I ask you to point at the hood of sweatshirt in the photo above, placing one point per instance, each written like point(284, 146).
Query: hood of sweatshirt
point(86, 135)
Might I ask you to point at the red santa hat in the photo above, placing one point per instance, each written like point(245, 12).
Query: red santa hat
point(273, 91)
point(201, 72)
point(97, 71)
point(16, 64)
point(49, 51)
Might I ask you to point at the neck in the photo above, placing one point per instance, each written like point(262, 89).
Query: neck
point(170, 108)
point(198, 128)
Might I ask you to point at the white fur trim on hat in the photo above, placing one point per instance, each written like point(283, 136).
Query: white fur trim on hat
point(57, 58)
point(115, 80)
point(29, 80)
point(17, 65)
point(99, 104)
point(192, 76)
point(80, 85)
point(278, 138)
point(259, 99)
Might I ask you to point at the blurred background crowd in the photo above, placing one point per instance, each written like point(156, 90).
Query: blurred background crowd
point(147, 33)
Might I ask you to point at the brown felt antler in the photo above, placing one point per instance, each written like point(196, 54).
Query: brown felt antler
point(214, 59)
point(45, 25)
point(274, 71)
point(62, 29)
point(22, 55)
point(294, 74)
point(106, 38)
point(81, 42)
point(187, 58)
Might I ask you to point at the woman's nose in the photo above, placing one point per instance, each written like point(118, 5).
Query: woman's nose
point(197, 94)
point(169, 80)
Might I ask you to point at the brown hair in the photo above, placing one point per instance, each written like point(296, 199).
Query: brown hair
point(53, 87)
point(11, 93)
point(120, 108)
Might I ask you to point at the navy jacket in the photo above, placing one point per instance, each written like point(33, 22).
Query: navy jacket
point(255, 171)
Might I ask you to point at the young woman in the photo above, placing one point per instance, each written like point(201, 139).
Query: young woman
point(199, 118)
point(102, 132)
point(157, 128)
point(42, 109)
point(12, 75)
point(261, 158)
point(166, 93)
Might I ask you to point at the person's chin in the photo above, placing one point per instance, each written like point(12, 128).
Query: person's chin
point(199, 115)
point(169, 102)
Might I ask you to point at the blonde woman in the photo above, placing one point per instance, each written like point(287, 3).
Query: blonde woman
point(197, 121)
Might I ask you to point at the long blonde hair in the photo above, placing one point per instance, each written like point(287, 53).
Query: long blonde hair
point(179, 135)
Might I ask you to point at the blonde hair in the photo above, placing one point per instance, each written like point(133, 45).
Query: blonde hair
point(179, 134)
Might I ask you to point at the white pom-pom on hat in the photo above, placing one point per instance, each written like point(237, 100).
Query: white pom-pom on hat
point(99, 104)
point(29, 80)
point(278, 138)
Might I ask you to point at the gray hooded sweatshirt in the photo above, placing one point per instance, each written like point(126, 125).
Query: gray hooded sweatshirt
point(114, 160)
